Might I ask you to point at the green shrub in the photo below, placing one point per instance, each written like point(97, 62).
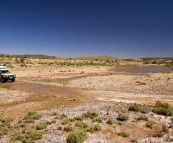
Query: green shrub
point(65, 121)
point(149, 124)
point(140, 83)
point(5, 125)
point(97, 128)
point(6, 120)
point(76, 136)
point(36, 135)
point(68, 128)
point(165, 105)
point(28, 137)
point(59, 128)
point(32, 115)
point(142, 118)
point(136, 108)
point(123, 134)
point(94, 128)
point(97, 119)
point(123, 117)
point(64, 115)
point(90, 115)
point(162, 109)
point(41, 126)
point(82, 125)
point(78, 118)
point(54, 114)
point(90, 129)
point(109, 122)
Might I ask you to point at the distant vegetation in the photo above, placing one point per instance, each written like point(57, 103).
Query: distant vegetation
point(26, 61)
point(27, 56)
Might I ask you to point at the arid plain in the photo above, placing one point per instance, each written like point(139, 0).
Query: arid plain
point(63, 94)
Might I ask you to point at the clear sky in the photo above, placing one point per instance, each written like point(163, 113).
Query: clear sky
point(72, 28)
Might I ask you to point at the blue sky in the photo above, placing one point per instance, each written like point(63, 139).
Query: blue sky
point(72, 28)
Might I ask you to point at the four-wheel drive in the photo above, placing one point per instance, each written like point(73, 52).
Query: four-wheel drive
point(6, 75)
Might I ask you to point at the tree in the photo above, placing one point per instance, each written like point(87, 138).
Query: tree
point(22, 60)
point(154, 62)
point(16, 60)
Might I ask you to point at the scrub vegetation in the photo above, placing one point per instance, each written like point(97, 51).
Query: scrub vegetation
point(77, 100)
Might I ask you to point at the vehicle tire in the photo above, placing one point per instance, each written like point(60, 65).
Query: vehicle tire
point(3, 80)
point(13, 80)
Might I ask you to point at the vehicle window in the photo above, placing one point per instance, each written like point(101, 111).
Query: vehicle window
point(5, 71)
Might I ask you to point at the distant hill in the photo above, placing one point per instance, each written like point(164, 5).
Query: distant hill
point(103, 57)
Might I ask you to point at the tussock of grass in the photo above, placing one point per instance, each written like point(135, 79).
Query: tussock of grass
point(123, 117)
point(68, 128)
point(140, 83)
point(41, 126)
point(97, 119)
point(32, 115)
point(136, 108)
point(76, 136)
point(54, 114)
point(109, 122)
point(143, 118)
point(149, 124)
point(90, 115)
point(123, 134)
point(162, 109)
point(65, 121)
point(94, 128)
point(82, 125)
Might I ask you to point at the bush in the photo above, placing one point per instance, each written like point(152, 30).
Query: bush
point(97, 127)
point(123, 117)
point(160, 104)
point(123, 134)
point(41, 126)
point(136, 108)
point(78, 118)
point(142, 118)
point(94, 128)
point(149, 124)
point(76, 137)
point(65, 121)
point(82, 125)
point(36, 135)
point(97, 119)
point(90, 115)
point(68, 128)
point(32, 115)
point(64, 115)
point(54, 114)
point(140, 83)
point(165, 128)
point(28, 137)
point(162, 109)
point(59, 128)
point(109, 122)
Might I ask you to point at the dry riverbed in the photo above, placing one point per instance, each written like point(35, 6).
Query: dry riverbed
point(59, 94)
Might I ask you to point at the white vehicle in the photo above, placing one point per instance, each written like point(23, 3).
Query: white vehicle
point(5, 75)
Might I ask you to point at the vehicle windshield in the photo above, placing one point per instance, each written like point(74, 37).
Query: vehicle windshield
point(5, 71)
